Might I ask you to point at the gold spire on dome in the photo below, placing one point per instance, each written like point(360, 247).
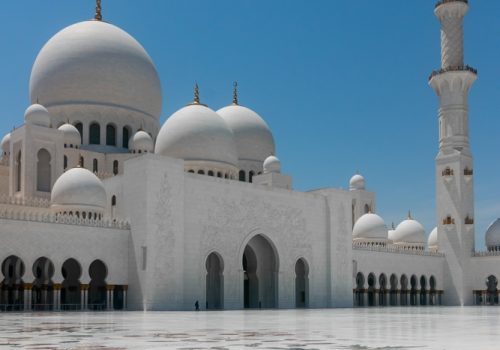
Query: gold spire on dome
point(235, 93)
point(98, 11)
point(196, 100)
point(409, 215)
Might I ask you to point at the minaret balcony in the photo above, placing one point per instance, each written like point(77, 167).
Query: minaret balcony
point(466, 68)
point(448, 221)
point(468, 220)
point(442, 2)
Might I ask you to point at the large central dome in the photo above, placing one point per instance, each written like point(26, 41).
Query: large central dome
point(95, 67)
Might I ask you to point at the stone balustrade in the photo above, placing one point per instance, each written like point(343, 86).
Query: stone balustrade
point(397, 250)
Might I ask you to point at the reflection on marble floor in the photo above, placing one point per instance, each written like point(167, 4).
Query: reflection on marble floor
point(389, 328)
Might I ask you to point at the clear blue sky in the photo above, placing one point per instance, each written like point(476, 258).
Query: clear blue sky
point(342, 84)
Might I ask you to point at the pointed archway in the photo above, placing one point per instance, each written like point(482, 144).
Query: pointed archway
point(214, 282)
point(260, 268)
point(301, 284)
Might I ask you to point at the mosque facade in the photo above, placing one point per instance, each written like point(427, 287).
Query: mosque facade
point(101, 207)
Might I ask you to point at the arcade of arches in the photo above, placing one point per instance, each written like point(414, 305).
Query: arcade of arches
point(43, 293)
point(489, 295)
point(403, 291)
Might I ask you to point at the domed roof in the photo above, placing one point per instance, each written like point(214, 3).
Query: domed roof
point(492, 237)
point(409, 231)
point(196, 132)
point(432, 241)
point(141, 141)
point(272, 165)
point(357, 182)
point(79, 188)
point(252, 135)
point(370, 226)
point(94, 63)
point(5, 144)
point(37, 114)
point(71, 134)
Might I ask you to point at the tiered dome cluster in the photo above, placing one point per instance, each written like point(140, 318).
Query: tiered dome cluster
point(222, 143)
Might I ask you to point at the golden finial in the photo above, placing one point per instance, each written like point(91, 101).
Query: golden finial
point(393, 226)
point(196, 100)
point(235, 93)
point(98, 11)
point(409, 215)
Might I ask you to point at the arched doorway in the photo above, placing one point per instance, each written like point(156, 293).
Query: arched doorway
point(382, 295)
point(360, 289)
point(97, 287)
point(43, 288)
point(301, 284)
point(491, 290)
point(11, 296)
point(214, 282)
point(70, 288)
point(404, 291)
point(423, 291)
point(432, 292)
point(371, 289)
point(260, 268)
point(413, 290)
point(393, 296)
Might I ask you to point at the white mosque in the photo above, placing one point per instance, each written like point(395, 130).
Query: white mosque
point(103, 208)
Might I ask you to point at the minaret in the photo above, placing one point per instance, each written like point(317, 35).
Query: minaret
point(454, 190)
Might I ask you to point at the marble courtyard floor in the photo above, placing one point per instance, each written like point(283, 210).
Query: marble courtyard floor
point(374, 328)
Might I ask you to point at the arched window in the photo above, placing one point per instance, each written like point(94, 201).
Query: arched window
point(210, 173)
point(79, 127)
point(65, 162)
point(201, 172)
point(191, 171)
point(110, 135)
point(95, 134)
point(18, 171)
point(367, 208)
point(81, 162)
point(126, 136)
point(250, 176)
point(115, 167)
point(43, 171)
point(95, 166)
point(113, 201)
point(242, 175)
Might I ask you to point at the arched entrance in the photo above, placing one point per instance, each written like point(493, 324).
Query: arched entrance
point(413, 290)
point(394, 290)
point(360, 289)
point(423, 291)
point(382, 296)
point(371, 289)
point(491, 290)
point(70, 288)
point(404, 291)
point(214, 282)
point(260, 268)
point(97, 287)
point(432, 293)
point(11, 296)
point(301, 284)
point(43, 288)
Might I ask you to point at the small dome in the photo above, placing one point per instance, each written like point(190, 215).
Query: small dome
point(492, 237)
point(37, 114)
point(432, 241)
point(370, 226)
point(78, 190)
point(272, 165)
point(357, 182)
point(6, 144)
point(409, 233)
point(141, 142)
point(71, 135)
point(197, 133)
point(253, 138)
